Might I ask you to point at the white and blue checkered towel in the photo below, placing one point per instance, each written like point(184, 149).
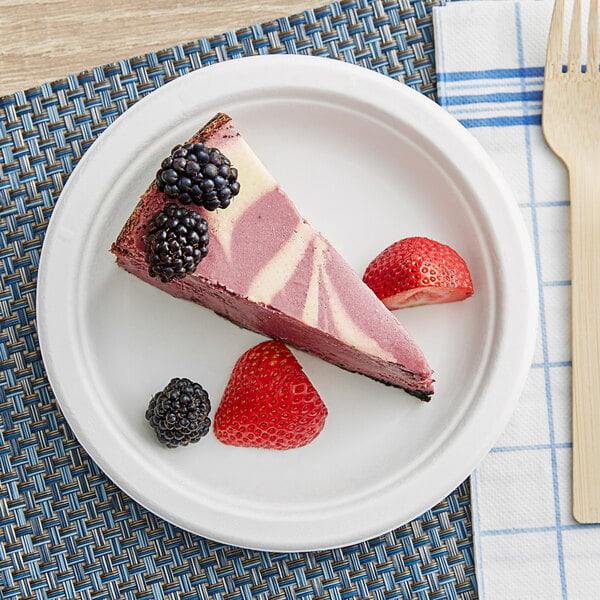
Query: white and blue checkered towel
point(490, 58)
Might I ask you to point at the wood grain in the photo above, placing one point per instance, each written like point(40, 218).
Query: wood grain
point(43, 40)
point(571, 125)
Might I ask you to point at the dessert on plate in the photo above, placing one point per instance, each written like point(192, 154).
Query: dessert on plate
point(243, 250)
point(416, 271)
point(269, 402)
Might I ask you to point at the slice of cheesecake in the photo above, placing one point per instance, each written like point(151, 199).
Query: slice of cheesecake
point(269, 271)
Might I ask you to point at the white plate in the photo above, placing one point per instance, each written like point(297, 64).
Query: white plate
point(368, 161)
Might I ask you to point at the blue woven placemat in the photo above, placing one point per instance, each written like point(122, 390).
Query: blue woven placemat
point(66, 531)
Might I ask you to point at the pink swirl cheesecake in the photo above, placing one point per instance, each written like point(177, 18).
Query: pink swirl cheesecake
point(269, 271)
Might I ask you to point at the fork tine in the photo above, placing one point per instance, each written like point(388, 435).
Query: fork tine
point(574, 54)
point(555, 40)
point(592, 52)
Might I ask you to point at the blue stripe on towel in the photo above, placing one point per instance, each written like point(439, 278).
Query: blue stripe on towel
point(503, 121)
point(548, 382)
point(518, 73)
point(533, 96)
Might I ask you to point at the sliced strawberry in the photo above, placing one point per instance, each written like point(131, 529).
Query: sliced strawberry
point(416, 271)
point(269, 401)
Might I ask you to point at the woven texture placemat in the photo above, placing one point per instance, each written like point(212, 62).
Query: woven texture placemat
point(66, 531)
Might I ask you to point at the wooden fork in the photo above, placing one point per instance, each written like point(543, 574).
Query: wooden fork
point(571, 125)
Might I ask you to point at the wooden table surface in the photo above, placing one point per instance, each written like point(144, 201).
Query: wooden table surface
point(43, 40)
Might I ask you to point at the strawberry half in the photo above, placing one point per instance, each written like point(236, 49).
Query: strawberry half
point(416, 271)
point(269, 402)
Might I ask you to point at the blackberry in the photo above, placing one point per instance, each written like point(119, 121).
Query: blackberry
point(179, 413)
point(195, 174)
point(176, 242)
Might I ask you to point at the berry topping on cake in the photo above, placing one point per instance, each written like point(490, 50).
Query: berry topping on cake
point(176, 242)
point(270, 271)
point(416, 271)
point(195, 174)
point(269, 402)
point(179, 413)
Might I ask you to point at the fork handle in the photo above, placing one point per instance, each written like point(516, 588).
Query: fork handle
point(585, 298)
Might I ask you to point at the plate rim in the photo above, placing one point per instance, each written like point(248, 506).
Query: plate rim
point(340, 69)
